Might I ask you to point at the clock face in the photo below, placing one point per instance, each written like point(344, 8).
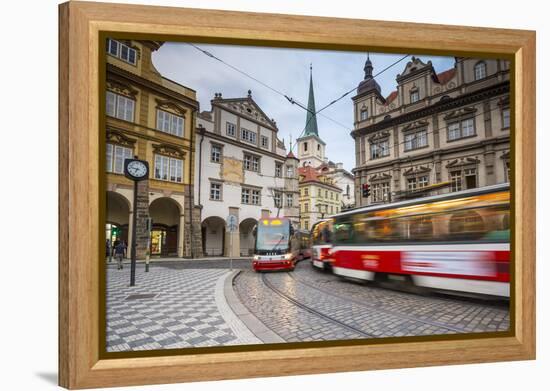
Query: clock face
point(137, 169)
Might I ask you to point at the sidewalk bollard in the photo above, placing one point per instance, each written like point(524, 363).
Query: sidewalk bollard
point(231, 264)
point(146, 264)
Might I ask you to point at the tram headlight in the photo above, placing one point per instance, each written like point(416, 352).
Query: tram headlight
point(288, 256)
point(256, 258)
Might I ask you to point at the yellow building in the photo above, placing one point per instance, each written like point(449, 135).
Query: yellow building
point(153, 118)
point(319, 196)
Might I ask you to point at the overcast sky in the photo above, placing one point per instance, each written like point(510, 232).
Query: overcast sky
point(286, 70)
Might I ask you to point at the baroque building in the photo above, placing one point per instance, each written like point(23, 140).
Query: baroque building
point(152, 118)
point(436, 132)
point(243, 173)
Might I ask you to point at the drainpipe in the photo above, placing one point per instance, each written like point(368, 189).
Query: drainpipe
point(200, 166)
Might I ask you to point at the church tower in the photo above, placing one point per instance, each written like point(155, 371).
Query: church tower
point(311, 149)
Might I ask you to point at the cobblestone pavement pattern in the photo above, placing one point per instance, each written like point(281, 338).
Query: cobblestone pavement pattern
point(330, 308)
point(170, 307)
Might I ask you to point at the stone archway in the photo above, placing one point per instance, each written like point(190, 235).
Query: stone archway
point(165, 217)
point(213, 236)
point(246, 236)
point(117, 219)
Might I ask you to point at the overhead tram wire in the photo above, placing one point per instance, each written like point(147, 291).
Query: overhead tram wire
point(355, 88)
point(288, 98)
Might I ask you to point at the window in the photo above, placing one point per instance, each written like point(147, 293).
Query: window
point(331, 195)
point(168, 168)
point(278, 170)
point(470, 178)
point(422, 181)
point(215, 191)
point(318, 147)
point(411, 184)
point(319, 193)
point(289, 172)
point(289, 201)
point(120, 106)
point(116, 156)
point(381, 192)
point(337, 196)
point(306, 207)
point(250, 196)
point(122, 51)
point(230, 129)
point(379, 149)
point(169, 123)
point(480, 70)
point(506, 118)
point(456, 180)
point(277, 199)
point(463, 179)
point(416, 140)
point(306, 224)
point(306, 191)
point(415, 96)
point(364, 114)
point(461, 129)
point(248, 136)
point(215, 153)
point(305, 147)
point(326, 194)
point(507, 170)
point(251, 163)
point(264, 141)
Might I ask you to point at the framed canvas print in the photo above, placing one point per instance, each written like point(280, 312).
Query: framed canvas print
point(247, 195)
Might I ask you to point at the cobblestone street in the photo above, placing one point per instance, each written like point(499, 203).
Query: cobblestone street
point(202, 303)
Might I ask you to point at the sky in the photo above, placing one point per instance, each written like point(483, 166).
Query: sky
point(287, 71)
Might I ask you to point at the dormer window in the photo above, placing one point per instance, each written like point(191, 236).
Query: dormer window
point(480, 70)
point(121, 51)
point(415, 96)
point(364, 114)
point(305, 147)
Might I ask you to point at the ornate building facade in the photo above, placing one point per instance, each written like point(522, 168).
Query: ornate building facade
point(243, 173)
point(153, 118)
point(446, 131)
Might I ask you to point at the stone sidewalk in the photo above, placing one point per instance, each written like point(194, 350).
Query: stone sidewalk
point(170, 308)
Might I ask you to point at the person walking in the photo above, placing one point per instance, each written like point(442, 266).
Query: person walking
point(120, 253)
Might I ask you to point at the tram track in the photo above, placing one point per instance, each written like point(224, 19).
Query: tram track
point(313, 311)
point(376, 308)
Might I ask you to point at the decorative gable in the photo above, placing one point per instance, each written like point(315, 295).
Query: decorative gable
point(414, 67)
point(382, 135)
point(379, 177)
point(459, 163)
point(167, 105)
point(116, 137)
point(418, 170)
point(247, 108)
point(121, 88)
point(463, 112)
point(169, 150)
point(415, 125)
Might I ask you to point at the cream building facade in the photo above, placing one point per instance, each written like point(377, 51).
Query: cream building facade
point(319, 197)
point(151, 118)
point(447, 130)
point(242, 174)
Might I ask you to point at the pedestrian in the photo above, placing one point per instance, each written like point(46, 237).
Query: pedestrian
point(107, 248)
point(120, 253)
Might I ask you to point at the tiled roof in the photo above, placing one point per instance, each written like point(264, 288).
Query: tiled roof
point(391, 97)
point(445, 76)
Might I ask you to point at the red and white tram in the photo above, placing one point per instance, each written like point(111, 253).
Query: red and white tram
point(452, 242)
point(276, 246)
point(321, 244)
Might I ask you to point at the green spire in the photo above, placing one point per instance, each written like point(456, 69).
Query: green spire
point(311, 123)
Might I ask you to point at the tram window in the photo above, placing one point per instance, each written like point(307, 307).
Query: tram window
point(466, 225)
point(421, 228)
point(343, 232)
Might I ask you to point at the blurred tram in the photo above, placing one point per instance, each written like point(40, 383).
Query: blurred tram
point(276, 245)
point(304, 244)
point(457, 242)
point(321, 244)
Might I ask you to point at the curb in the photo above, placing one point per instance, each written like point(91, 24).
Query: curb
point(257, 328)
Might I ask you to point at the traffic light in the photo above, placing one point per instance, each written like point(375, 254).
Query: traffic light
point(366, 190)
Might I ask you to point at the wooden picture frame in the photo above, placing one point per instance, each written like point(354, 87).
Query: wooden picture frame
point(80, 247)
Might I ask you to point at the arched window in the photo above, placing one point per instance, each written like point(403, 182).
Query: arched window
point(480, 70)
